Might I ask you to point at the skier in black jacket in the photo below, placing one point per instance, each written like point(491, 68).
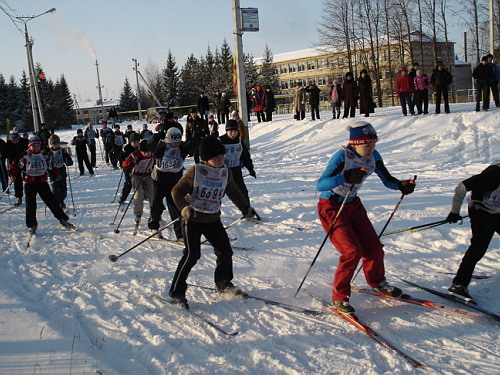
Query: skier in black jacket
point(13, 150)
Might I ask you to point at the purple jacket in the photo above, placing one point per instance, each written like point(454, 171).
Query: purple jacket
point(421, 82)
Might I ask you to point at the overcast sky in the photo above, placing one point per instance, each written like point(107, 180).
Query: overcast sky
point(115, 31)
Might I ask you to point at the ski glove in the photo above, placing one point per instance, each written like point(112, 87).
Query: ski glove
point(354, 176)
point(250, 214)
point(406, 186)
point(453, 218)
point(253, 174)
point(187, 213)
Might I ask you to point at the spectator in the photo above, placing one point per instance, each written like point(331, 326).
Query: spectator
point(441, 79)
point(494, 81)
point(269, 103)
point(421, 83)
point(404, 90)
point(299, 102)
point(225, 106)
point(365, 92)
point(350, 95)
point(336, 98)
point(203, 106)
point(113, 115)
point(314, 92)
point(258, 100)
point(483, 74)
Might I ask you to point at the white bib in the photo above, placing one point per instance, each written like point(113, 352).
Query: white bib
point(352, 161)
point(209, 187)
point(144, 166)
point(492, 203)
point(36, 164)
point(233, 154)
point(57, 158)
point(171, 160)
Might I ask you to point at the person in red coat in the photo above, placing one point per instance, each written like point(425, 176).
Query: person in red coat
point(404, 89)
point(258, 106)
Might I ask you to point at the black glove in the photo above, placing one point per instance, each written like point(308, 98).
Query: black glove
point(453, 218)
point(406, 186)
point(252, 173)
point(354, 176)
point(250, 214)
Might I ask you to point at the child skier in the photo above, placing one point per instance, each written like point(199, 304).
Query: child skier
point(59, 159)
point(213, 126)
point(484, 213)
point(353, 234)
point(91, 136)
point(128, 149)
point(35, 165)
point(118, 142)
point(80, 143)
point(15, 147)
point(140, 163)
point(237, 153)
point(206, 183)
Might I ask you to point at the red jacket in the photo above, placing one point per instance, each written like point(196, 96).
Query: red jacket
point(139, 164)
point(404, 84)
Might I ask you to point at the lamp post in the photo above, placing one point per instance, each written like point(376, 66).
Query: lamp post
point(36, 103)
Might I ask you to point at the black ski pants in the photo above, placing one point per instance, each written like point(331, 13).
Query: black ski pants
point(442, 90)
point(127, 186)
point(160, 191)
point(238, 178)
point(315, 111)
point(43, 190)
point(483, 225)
point(404, 99)
point(82, 158)
point(494, 92)
point(422, 101)
point(349, 111)
point(217, 236)
point(92, 150)
point(482, 92)
point(269, 115)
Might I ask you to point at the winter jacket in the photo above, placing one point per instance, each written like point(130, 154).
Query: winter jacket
point(299, 99)
point(404, 84)
point(495, 70)
point(245, 154)
point(91, 135)
point(80, 143)
point(365, 95)
point(350, 93)
point(441, 78)
point(135, 158)
point(421, 82)
point(259, 107)
point(126, 151)
point(107, 135)
point(269, 101)
point(203, 104)
point(35, 167)
point(336, 94)
point(483, 74)
point(14, 151)
point(196, 129)
point(59, 170)
point(313, 92)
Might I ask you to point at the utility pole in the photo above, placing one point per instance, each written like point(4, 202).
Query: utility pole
point(76, 109)
point(492, 44)
point(240, 69)
point(100, 91)
point(138, 93)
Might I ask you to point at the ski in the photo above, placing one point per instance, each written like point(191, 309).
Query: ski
point(97, 236)
point(456, 299)
point(355, 321)
point(181, 243)
point(477, 277)
point(168, 302)
point(424, 303)
point(136, 227)
point(270, 302)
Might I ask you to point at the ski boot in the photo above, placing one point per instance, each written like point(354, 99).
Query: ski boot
point(19, 201)
point(157, 234)
point(32, 230)
point(181, 301)
point(230, 289)
point(137, 219)
point(460, 291)
point(344, 307)
point(66, 224)
point(388, 290)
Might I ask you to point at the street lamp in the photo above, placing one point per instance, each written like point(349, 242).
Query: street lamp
point(36, 104)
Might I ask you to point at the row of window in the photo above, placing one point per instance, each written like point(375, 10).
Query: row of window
point(290, 84)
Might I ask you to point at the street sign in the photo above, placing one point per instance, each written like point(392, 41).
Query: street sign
point(249, 19)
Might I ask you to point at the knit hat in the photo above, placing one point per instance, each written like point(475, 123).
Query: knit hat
point(54, 139)
point(232, 125)
point(134, 137)
point(173, 135)
point(235, 113)
point(14, 135)
point(403, 69)
point(79, 131)
point(419, 72)
point(143, 145)
point(484, 58)
point(362, 132)
point(34, 140)
point(210, 147)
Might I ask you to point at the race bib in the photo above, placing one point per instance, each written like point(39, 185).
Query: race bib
point(57, 158)
point(493, 201)
point(208, 188)
point(233, 154)
point(352, 161)
point(171, 160)
point(144, 166)
point(36, 165)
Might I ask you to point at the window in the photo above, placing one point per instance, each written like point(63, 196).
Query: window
point(283, 69)
point(284, 85)
point(303, 81)
point(321, 81)
point(292, 68)
point(341, 61)
point(302, 67)
point(321, 64)
point(330, 62)
point(310, 81)
point(311, 65)
point(292, 83)
point(86, 112)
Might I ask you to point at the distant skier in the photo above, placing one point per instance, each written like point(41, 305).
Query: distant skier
point(35, 164)
point(91, 136)
point(107, 138)
point(198, 196)
point(129, 148)
point(353, 234)
point(80, 143)
point(118, 142)
point(484, 214)
point(59, 159)
point(14, 149)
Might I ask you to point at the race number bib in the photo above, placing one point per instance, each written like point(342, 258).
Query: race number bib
point(233, 154)
point(36, 164)
point(171, 160)
point(352, 161)
point(57, 158)
point(144, 166)
point(208, 188)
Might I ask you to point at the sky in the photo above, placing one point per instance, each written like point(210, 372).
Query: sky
point(114, 32)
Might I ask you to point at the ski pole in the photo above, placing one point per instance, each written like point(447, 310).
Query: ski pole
point(114, 258)
point(71, 191)
point(387, 223)
point(438, 224)
point(118, 187)
point(226, 227)
point(330, 230)
point(7, 191)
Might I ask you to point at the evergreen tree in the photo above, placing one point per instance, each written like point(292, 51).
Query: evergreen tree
point(208, 73)
point(251, 73)
point(128, 101)
point(223, 73)
point(11, 101)
point(46, 89)
point(64, 106)
point(25, 102)
point(189, 86)
point(4, 110)
point(170, 78)
point(269, 74)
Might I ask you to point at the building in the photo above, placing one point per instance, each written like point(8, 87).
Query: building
point(93, 112)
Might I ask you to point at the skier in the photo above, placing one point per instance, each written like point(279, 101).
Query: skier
point(353, 234)
point(140, 163)
point(128, 132)
point(91, 136)
point(145, 132)
point(484, 213)
point(128, 149)
point(15, 147)
point(213, 126)
point(59, 159)
point(237, 154)
point(35, 165)
point(206, 183)
point(118, 142)
point(80, 143)
point(107, 137)
point(169, 161)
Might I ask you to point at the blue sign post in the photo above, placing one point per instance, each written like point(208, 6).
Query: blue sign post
point(249, 19)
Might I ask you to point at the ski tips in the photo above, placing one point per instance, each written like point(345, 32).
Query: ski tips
point(113, 258)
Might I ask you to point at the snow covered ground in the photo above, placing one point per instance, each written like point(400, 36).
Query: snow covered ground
point(66, 309)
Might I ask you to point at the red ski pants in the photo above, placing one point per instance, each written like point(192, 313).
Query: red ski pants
point(354, 237)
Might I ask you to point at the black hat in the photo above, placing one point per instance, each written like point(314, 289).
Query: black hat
point(489, 55)
point(134, 137)
point(349, 74)
point(232, 125)
point(210, 147)
point(484, 58)
point(143, 145)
